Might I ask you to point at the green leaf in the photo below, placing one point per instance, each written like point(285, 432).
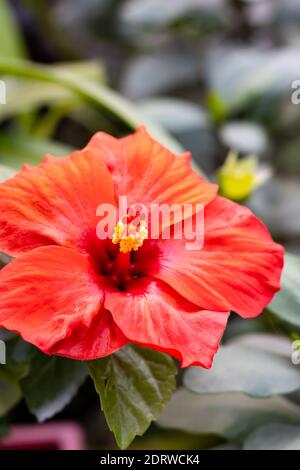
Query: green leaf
point(25, 95)
point(231, 415)
point(257, 364)
point(217, 107)
point(286, 303)
point(4, 428)
point(18, 148)
point(51, 384)
point(159, 72)
point(6, 172)
point(133, 384)
point(249, 73)
point(278, 207)
point(147, 14)
point(288, 156)
point(19, 354)
point(16, 367)
point(6, 335)
point(11, 42)
point(10, 393)
point(173, 440)
point(176, 115)
point(239, 326)
point(96, 94)
point(274, 437)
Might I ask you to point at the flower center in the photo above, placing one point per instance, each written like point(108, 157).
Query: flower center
point(130, 236)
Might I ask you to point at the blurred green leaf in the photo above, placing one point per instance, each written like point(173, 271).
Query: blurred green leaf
point(10, 392)
point(138, 14)
point(11, 42)
point(217, 107)
point(24, 95)
point(288, 157)
point(226, 446)
point(274, 437)
point(4, 428)
point(159, 72)
point(96, 94)
point(16, 367)
point(232, 415)
point(286, 303)
point(244, 137)
point(237, 326)
point(277, 204)
point(258, 365)
point(92, 119)
point(251, 72)
point(5, 335)
point(172, 440)
point(17, 149)
point(176, 115)
point(46, 125)
point(133, 384)
point(51, 384)
point(76, 12)
point(6, 172)
point(19, 354)
point(287, 11)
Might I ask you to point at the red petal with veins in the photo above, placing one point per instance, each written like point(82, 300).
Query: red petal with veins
point(238, 268)
point(152, 314)
point(146, 172)
point(51, 297)
point(53, 203)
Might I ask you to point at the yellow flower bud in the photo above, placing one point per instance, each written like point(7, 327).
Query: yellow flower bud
point(239, 177)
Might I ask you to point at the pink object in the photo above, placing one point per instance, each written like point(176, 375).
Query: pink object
point(50, 436)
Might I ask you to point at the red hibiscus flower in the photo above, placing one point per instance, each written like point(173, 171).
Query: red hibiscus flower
point(72, 294)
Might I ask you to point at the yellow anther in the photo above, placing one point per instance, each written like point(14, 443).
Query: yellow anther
point(130, 237)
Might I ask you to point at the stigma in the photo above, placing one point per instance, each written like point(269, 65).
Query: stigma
point(130, 237)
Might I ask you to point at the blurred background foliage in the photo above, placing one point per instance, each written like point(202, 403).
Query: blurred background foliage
point(207, 75)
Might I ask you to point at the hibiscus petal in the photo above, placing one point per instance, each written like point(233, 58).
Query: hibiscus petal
point(146, 172)
point(238, 268)
point(154, 315)
point(53, 203)
point(51, 298)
